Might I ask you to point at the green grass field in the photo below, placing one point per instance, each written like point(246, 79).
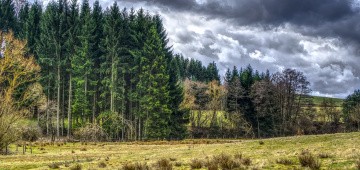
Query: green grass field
point(341, 152)
point(318, 100)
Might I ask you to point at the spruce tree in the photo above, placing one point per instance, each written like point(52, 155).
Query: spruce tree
point(33, 27)
point(7, 17)
point(71, 43)
point(154, 82)
point(82, 63)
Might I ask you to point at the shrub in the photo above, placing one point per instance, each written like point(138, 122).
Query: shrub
point(164, 164)
point(261, 142)
point(285, 161)
point(31, 132)
point(76, 167)
point(196, 164)
point(90, 132)
point(358, 165)
point(306, 159)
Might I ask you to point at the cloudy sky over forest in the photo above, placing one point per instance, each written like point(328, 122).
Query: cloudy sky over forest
point(318, 37)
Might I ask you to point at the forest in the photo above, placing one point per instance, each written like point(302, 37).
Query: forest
point(82, 72)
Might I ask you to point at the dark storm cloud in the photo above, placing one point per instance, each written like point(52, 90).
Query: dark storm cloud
point(331, 17)
point(307, 12)
point(318, 37)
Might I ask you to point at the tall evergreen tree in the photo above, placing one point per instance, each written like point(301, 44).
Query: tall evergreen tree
point(8, 16)
point(72, 41)
point(154, 82)
point(97, 17)
point(33, 27)
point(82, 63)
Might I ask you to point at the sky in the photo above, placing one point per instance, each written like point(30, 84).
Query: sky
point(320, 38)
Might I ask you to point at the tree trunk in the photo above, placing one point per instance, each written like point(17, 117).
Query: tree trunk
point(69, 108)
point(58, 101)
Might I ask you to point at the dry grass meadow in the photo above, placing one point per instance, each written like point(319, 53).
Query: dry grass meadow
point(334, 151)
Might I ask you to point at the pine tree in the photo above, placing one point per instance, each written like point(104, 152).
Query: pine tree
point(179, 117)
point(33, 27)
point(7, 17)
point(71, 43)
point(82, 63)
point(51, 51)
point(23, 26)
point(154, 82)
point(45, 49)
point(97, 17)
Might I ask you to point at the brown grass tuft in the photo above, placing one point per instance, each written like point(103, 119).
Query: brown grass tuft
point(83, 149)
point(196, 164)
point(54, 165)
point(246, 161)
point(306, 159)
point(76, 167)
point(164, 164)
point(102, 164)
point(135, 166)
point(284, 161)
point(324, 155)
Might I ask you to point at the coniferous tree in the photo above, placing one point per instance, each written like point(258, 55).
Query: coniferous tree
point(71, 43)
point(154, 81)
point(7, 17)
point(33, 27)
point(97, 17)
point(82, 63)
point(23, 17)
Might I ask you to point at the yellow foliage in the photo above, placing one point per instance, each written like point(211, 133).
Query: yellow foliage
point(17, 70)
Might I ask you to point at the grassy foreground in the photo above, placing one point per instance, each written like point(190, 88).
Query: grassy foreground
point(334, 151)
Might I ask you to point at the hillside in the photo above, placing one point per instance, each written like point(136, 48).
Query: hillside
point(337, 151)
point(318, 100)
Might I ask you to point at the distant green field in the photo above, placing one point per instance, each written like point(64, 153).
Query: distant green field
point(318, 100)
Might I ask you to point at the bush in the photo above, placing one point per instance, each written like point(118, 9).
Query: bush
point(30, 132)
point(358, 165)
point(91, 132)
point(306, 159)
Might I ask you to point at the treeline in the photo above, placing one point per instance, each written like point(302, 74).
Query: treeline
point(111, 67)
point(259, 104)
point(110, 74)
